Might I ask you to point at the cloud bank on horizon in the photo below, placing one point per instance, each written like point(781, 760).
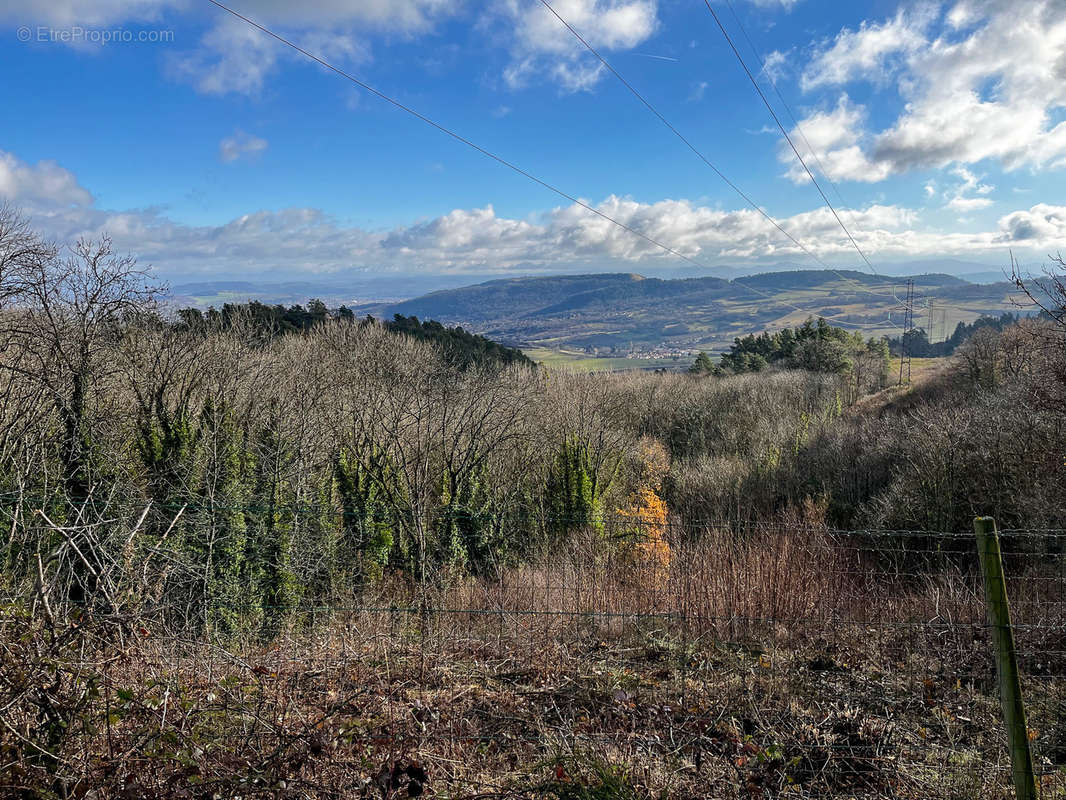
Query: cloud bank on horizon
point(945, 125)
point(477, 240)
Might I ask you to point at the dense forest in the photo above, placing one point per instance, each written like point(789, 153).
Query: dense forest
point(278, 320)
point(813, 346)
point(915, 342)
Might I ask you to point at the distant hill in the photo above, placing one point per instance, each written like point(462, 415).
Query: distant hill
point(614, 313)
point(347, 287)
point(551, 295)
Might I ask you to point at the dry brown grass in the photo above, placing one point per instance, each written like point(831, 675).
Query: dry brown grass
point(787, 665)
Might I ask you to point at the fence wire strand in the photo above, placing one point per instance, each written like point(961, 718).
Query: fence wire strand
point(777, 661)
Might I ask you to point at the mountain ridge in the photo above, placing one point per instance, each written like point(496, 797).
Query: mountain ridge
point(626, 311)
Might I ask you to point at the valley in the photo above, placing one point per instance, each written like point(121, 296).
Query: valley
point(649, 321)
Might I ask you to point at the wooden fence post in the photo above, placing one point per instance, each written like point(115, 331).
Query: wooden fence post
point(1010, 686)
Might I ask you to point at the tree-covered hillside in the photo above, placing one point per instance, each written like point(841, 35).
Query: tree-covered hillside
point(277, 320)
point(816, 346)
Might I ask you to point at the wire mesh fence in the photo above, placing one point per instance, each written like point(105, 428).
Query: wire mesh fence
point(627, 661)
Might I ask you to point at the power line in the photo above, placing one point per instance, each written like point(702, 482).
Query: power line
point(451, 133)
point(777, 91)
point(692, 147)
point(908, 326)
point(675, 131)
point(784, 132)
point(499, 159)
point(796, 124)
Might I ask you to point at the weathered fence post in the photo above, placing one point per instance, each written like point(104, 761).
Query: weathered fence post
point(1010, 686)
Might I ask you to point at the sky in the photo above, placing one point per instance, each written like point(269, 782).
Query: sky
point(214, 152)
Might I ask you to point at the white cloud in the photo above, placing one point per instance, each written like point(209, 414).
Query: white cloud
point(968, 203)
point(774, 65)
point(961, 197)
point(407, 16)
point(65, 13)
point(784, 4)
point(395, 16)
point(44, 184)
point(541, 44)
point(304, 240)
point(1041, 223)
point(239, 145)
point(832, 141)
point(987, 86)
point(234, 57)
point(871, 52)
point(961, 15)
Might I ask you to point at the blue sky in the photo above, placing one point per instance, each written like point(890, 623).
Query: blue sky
point(218, 153)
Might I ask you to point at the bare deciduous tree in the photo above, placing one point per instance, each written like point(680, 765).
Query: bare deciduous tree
point(61, 320)
point(67, 315)
point(1047, 293)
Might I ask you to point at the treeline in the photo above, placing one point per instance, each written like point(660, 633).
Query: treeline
point(983, 436)
point(915, 342)
point(465, 347)
point(468, 348)
point(816, 346)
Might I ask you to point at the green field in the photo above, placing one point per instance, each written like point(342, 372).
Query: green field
point(582, 362)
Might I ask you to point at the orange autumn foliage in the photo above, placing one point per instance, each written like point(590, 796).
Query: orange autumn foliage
point(646, 542)
point(654, 462)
